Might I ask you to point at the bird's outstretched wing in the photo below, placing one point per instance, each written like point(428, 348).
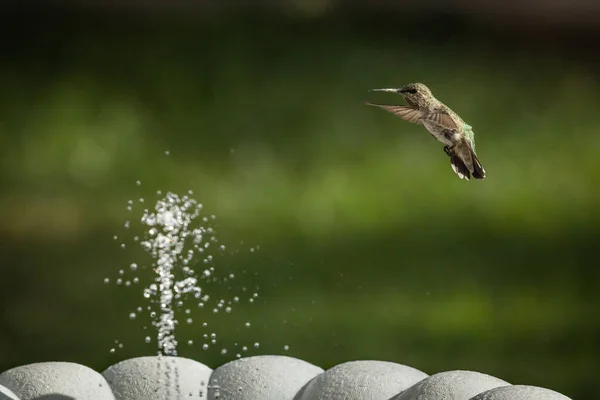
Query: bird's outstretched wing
point(405, 112)
point(443, 119)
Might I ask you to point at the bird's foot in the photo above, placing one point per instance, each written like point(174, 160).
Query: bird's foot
point(449, 150)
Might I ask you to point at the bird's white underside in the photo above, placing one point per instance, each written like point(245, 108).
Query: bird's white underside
point(436, 133)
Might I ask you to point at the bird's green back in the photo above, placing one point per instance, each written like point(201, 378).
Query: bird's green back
point(470, 135)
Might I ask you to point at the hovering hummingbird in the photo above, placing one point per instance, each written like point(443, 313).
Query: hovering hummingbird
point(442, 123)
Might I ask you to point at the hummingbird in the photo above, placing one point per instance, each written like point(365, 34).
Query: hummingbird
point(442, 123)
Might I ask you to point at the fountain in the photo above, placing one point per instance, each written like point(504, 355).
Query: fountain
point(183, 247)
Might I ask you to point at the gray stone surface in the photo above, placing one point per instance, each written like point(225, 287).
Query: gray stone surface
point(150, 378)
point(7, 394)
point(361, 380)
point(56, 381)
point(261, 378)
point(520, 392)
point(451, 385)
point(255, 378)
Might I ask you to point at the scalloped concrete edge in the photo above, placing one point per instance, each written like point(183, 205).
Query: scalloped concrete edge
point(266, 377)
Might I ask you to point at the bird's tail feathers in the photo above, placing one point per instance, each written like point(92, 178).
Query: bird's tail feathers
point(459, 167)
point(478, 170)
point(464, 162)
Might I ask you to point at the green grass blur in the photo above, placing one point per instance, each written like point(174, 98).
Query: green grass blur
point(370, 247)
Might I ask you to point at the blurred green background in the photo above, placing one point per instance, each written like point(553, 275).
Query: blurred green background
point(369, 246)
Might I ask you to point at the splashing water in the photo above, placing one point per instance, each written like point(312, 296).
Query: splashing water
point(176, 237)
point(169, 231)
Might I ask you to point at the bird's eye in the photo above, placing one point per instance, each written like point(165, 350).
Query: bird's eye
point(412, 91)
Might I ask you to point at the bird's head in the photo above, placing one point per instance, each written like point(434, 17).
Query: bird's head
point(416, 94)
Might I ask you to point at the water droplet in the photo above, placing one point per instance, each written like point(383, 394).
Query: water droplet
point(286, 347)
point(148, 339)
point(106, 280)
point(190, 342)
point(132, 315)
point(256, 345)
point(133, 266)
point(138, 182)
point(224, 351)
point(112, 350)
point(227, 309)
point(247, 324)
point(119, 281)
point(167, 152)
point(205, 346)
point(189, 320)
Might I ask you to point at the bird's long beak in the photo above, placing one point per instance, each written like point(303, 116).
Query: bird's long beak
point(391, 90)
